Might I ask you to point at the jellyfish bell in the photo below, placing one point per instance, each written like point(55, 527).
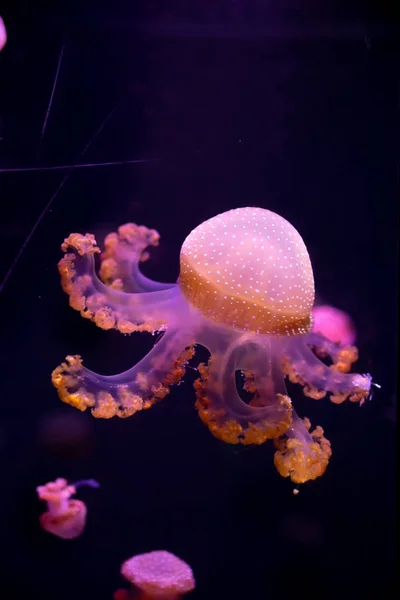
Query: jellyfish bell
point(157, 575)
point(249, 268)
point(65, 516)
point(67, 525)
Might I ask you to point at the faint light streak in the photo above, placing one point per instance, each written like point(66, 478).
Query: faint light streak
point(78, 166)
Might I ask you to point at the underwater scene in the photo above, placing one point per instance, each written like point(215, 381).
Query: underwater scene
point(199, 300)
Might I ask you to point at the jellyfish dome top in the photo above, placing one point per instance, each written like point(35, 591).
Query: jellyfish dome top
point(249, 269)
point(156, 575)
point(245, 292)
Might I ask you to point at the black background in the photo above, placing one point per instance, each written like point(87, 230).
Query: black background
point(233, 103)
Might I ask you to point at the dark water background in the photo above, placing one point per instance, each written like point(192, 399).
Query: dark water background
point(237, 104)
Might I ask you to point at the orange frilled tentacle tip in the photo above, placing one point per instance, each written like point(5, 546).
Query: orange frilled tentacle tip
point(80, 388)
point(252, 428)
point(302, 455)
point(112, 301)
point(123, 250)
point(123, 299)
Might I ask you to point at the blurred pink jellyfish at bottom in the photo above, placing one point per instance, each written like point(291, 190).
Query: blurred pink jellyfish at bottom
point(156, 575)
point(334, 324)
point(64, 517)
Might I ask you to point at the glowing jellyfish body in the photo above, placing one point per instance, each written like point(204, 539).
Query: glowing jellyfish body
point(157, 575)
point(65, 517)
point(245, 292)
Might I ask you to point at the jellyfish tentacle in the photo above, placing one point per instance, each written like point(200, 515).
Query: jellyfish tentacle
point(302, 366)
point(302, 454)
point(219, 405)
point(123, 251)
point(342, 356)
point(107, 307)
point(136, 389)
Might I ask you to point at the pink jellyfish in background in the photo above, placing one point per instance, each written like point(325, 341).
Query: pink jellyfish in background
point(3, 34)
point(64, 517)
point(334, 324)
point(156, 575)
point(245, 293)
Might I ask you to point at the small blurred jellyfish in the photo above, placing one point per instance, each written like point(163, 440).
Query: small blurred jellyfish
point(245, 293)
point(65, 434)
point(334, 324)
point(302, 529)
point(156, 575)
point(3, 34)
point(64, 517)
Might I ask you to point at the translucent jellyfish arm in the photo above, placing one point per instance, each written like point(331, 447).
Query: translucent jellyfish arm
point(302, 366)
point(106, 305)
point(86, 482)
point(124, 394)
point(123, 251)
point(342, 356)
point(302, 454)
point(220, 407)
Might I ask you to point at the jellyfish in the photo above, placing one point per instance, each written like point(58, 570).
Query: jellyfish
point(333, 323)
point(3, 34)
point(64, 517)
point(156, 575)
point(245, 293)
